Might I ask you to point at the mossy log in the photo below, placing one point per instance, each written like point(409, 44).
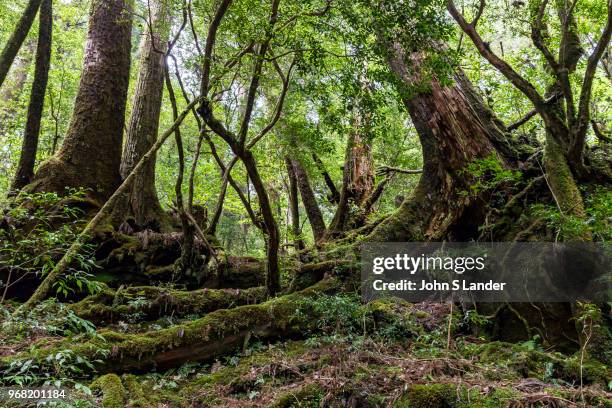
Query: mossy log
point(217, 333)
point(151, 302)
point(238, 272)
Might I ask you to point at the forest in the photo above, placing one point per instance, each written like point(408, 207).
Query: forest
point(186, 186)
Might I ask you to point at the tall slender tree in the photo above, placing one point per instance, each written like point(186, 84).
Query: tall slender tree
point(309, 200)
point(17, 37)
point(144, 120)
point(25, 168)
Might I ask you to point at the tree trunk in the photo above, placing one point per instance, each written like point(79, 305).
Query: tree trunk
point(19, 34)
point(294, 208)
point(25, 169)
point(91, 152)
point(358, 175)
point(454, 131)
point(143, 125)
point(334, 195)
point(271, 227)
point(310, 201)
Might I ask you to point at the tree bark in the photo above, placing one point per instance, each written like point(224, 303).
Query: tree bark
point(17, 37)
point(294, 208)
point(91, 152)
point(454, 130)
point(310, 201)
point(334, 195)
point(144, 120)
point(358, 176)
point(25, 168)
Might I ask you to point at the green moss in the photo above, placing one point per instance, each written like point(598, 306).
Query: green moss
point(307, 396)
point(428, 396)
point(592, 371)
point(113, 393)
point(136, 396)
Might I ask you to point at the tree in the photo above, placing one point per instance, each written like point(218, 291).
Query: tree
point(358, 173)
point(238, 142)
point(91, 152)
point(309, 200)
point(294, 209)
point(566, 129)
point(144, 120)
point(17, 37)
point(455, 129)
point(25, 168)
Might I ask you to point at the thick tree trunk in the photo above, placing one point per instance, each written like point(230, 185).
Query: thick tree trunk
point(454, 130)
point(91, 153)
point(294, 209)
point(310, 201)
point(19, 34)
point(25, 168)
point(144, 120)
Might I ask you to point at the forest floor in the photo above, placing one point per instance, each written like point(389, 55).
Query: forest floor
point(387, 353)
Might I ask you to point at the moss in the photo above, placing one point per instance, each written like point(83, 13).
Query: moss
point(523, 359)
point(154, 302)
point(307, 396)
point(113, 393)
point(562, 182)
point(592, 371)
point(219, 332)
point(136, 396)
point(428, 396)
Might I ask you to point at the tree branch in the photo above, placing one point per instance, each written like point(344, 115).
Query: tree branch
point(485, 51)
point(587, 84)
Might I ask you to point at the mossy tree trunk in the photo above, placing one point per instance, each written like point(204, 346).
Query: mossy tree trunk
point(455, 128)
point(91, 152)
point(144, 120)
point(357, 176)
point(27, 159)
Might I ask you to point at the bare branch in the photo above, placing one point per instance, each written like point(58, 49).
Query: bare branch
point(386, 170)
point(485, 51)
point(210, 43)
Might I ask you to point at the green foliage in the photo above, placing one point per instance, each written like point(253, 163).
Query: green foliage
point(598, 223)
point(339, 314)
point(487, 174)
point(49, 318)
point(40, 228)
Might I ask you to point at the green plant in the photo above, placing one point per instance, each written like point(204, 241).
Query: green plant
point(487, 174)
point(39, 229)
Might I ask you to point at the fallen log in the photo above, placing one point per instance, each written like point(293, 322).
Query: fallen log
point(217, 333)
point(151, 302)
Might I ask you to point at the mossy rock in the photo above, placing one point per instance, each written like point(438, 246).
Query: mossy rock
point(113, 393)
